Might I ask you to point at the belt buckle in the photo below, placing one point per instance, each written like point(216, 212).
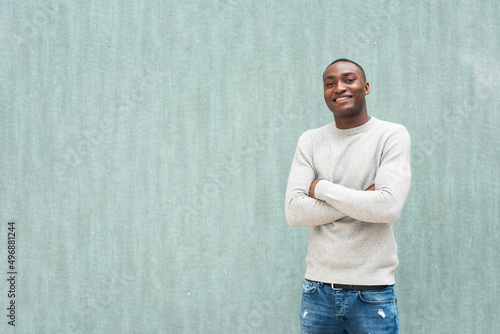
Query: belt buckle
point(334, 288)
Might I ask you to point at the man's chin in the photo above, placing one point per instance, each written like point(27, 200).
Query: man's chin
point(344, 113)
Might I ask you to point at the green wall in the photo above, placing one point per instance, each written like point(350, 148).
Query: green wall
point(145, 150)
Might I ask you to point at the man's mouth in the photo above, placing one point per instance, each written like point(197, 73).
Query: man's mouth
point(341, 98)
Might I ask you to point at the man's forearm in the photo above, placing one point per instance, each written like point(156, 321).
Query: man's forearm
point(315, 182)
point(378, 206)
point(307, 211)
point(300, 209)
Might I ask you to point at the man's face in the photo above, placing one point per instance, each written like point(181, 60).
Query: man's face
point(345, 88)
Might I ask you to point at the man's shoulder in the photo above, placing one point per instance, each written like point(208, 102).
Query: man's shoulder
point(389, 127)
point(311, 136)
point(322, 130)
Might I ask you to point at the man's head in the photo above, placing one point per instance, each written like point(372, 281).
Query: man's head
point(345, 60)
point(345, 87)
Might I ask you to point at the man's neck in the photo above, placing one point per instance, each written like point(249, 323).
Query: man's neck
point(348, 123)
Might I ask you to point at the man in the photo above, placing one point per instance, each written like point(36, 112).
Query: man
point(348, 182)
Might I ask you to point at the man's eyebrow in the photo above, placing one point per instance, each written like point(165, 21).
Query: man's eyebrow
point(343, 74)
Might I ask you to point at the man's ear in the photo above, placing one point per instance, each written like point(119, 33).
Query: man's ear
point(367, 88)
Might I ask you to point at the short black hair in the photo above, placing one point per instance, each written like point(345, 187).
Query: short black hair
point(345, 60)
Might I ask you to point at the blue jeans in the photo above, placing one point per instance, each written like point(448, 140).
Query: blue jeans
point(324, 310)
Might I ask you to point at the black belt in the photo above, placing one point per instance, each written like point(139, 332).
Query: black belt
point(355, 287)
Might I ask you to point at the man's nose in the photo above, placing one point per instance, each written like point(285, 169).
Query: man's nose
point(339, 87)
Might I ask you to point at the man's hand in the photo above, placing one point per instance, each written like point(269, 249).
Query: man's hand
point(313, 186)
point(315, 182)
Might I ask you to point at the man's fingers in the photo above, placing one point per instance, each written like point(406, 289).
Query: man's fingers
point(313, 186)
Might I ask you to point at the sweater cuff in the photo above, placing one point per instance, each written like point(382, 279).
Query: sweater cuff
point(321, 189)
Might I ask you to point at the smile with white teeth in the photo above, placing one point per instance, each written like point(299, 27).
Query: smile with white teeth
point(342, 98)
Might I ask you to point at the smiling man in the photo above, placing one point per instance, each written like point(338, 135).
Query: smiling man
point(348, 183)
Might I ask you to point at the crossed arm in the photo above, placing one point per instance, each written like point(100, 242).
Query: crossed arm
point(312, 202)
point(315, 182)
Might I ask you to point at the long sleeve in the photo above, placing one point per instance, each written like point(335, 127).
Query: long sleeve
point(300, 209)
point(392, 184)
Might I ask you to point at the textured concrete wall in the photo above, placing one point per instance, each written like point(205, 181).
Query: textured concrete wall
point(145, 149)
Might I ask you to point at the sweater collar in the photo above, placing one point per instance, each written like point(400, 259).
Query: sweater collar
point(348, 132)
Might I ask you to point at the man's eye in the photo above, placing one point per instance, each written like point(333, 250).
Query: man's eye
point(329, 84)
point(350, 80)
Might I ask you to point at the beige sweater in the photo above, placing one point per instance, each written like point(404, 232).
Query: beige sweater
point(351, 240)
